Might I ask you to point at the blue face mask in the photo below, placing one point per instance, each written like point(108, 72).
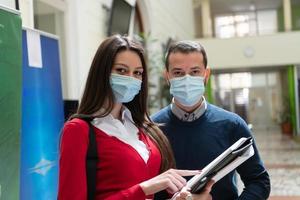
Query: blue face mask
point(187, 90)
point(124, 87)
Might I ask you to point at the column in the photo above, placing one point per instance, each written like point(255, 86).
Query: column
point(206, 18)
point(287, 15)
point(26, 8)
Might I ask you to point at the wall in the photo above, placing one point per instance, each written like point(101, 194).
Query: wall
point(173, 18)
point(84, 38)
point(85, 29)
point(79, 38)
point(86, 26)
point(168, 19)
point(268, 50)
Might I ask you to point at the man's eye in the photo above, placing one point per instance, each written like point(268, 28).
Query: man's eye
point(177, 73)
point(196, 72)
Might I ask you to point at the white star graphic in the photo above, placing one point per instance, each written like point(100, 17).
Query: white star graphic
point(42, 167)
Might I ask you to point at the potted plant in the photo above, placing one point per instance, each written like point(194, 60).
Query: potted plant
point(285, 122)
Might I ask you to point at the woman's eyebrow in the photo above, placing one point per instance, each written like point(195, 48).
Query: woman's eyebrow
point(140, 68)
point(122, 64)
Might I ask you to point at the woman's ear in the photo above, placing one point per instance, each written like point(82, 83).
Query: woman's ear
point(166, 76)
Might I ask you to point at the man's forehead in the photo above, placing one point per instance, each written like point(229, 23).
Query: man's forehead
point(191, 58)
point(184, 55)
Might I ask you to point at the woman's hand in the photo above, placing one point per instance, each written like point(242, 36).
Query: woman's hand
point(204, 195)
point(171, 180)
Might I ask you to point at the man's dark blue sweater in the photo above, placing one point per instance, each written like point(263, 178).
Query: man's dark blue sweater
point(197, 143)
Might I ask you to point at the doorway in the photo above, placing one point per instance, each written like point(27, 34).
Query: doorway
point(255, 96)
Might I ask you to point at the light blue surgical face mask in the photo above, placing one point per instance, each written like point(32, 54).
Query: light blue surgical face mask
point(124, 87)
point(187, 90)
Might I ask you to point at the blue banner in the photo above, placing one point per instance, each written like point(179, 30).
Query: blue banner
point(42, 116)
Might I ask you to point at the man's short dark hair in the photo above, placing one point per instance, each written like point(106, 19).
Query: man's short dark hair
point(185, 47)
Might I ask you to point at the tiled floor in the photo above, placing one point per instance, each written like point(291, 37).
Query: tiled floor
point(281, 156)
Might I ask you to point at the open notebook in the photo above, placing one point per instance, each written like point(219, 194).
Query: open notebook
point(231, 158)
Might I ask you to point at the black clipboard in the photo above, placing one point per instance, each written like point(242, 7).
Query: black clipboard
point(235, 155)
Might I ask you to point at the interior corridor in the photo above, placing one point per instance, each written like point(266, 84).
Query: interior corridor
point(281, 156)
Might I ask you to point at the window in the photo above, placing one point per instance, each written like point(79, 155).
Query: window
point(120, 19)
point(246, 24)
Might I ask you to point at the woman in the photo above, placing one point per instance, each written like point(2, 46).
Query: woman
point(135, 157)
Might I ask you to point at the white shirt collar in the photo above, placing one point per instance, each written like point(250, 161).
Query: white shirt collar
point(126, 131)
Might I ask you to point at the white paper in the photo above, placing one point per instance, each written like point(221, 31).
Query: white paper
point(34, 49)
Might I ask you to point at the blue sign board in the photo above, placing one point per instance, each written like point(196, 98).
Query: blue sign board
point(42, 116)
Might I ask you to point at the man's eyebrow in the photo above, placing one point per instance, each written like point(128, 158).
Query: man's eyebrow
point(176, 68)
point(196, 67)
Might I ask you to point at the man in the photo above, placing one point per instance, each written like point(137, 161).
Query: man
point(199, 131)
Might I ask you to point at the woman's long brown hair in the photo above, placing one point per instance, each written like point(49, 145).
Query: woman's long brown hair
point(98, 94)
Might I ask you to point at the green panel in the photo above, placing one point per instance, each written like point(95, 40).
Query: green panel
point(280, 19)
point(291, 85)
point(295, 18)
point(209, 91)
point(10, 103)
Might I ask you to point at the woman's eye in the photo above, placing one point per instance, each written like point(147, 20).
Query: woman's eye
point(121, 70)
point(138, 73)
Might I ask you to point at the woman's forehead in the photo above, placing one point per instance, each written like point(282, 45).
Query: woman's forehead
point(129, 58)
